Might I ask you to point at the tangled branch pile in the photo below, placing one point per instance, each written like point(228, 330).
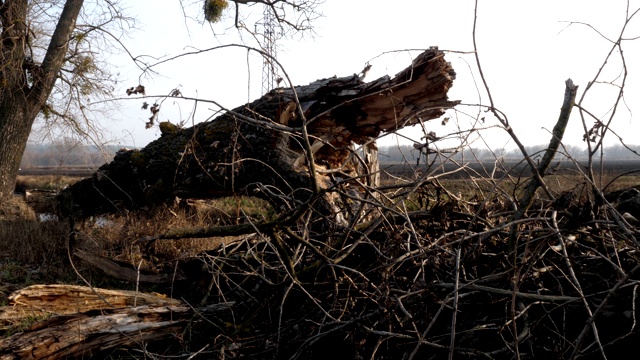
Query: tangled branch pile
point(424, 284)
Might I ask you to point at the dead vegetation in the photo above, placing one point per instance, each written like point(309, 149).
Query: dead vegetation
point(424, 284)
point(415, 283)
point(496, 267)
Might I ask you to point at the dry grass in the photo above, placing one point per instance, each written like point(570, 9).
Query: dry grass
point(114, 235)
point(557, 184)
point(33, 251)
point(43, 245)
point(437, 247)
point(45, 182)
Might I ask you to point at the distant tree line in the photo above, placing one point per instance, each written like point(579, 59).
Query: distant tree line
point(73, 154)
point(408, 153)
point(66, 154)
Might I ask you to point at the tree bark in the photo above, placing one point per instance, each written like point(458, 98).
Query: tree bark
point(123, 271)
point(259, 148)
point(528, 196)
point(25, 85)
point(14, 131)
point(13, 105)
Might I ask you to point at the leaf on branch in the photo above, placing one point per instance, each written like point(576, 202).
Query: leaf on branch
point(136, 90)
point(155, 108)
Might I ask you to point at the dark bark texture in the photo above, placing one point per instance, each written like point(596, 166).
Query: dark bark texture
point(258, 148)
point(25, 85)
point(13, 96)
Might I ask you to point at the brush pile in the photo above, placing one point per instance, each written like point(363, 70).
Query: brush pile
point(426, 284)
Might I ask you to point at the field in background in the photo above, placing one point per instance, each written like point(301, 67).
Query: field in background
point(66, 170)
point(496, 169)
point(477, 169)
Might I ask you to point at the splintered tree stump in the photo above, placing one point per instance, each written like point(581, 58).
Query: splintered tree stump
point(258, 149)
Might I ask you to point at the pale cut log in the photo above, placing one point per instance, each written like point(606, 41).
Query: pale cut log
point(55, 299)
point(78, 321)
point(83, 335)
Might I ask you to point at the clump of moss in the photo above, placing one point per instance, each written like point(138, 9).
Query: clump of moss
point(213, 9)
point(167, 128)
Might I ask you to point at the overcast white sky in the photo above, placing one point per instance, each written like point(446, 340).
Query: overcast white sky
point(527, 51)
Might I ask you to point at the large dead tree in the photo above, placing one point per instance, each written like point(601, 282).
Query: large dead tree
point(287, 146)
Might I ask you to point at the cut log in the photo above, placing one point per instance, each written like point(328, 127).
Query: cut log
point(259, 148)
point(48, 300)
point(77, 321)
point(82, 335)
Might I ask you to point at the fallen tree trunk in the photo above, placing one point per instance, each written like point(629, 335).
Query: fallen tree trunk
point(77, 321)
point(261, 148)
point(122, 271)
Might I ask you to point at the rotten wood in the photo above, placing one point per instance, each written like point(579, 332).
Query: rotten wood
point(47, 300)
point(83, 335)
point(258, 149)
point(77, 321)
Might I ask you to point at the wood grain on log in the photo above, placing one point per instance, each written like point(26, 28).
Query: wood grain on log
point(47, 300)
point(81, 335)
point(77, 321)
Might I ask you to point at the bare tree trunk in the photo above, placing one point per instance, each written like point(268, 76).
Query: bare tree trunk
point(14, 131)
point(22, 96)
point(13, 103)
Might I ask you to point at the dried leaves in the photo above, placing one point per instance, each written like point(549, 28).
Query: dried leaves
point(155, 108)
point(136, 90)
